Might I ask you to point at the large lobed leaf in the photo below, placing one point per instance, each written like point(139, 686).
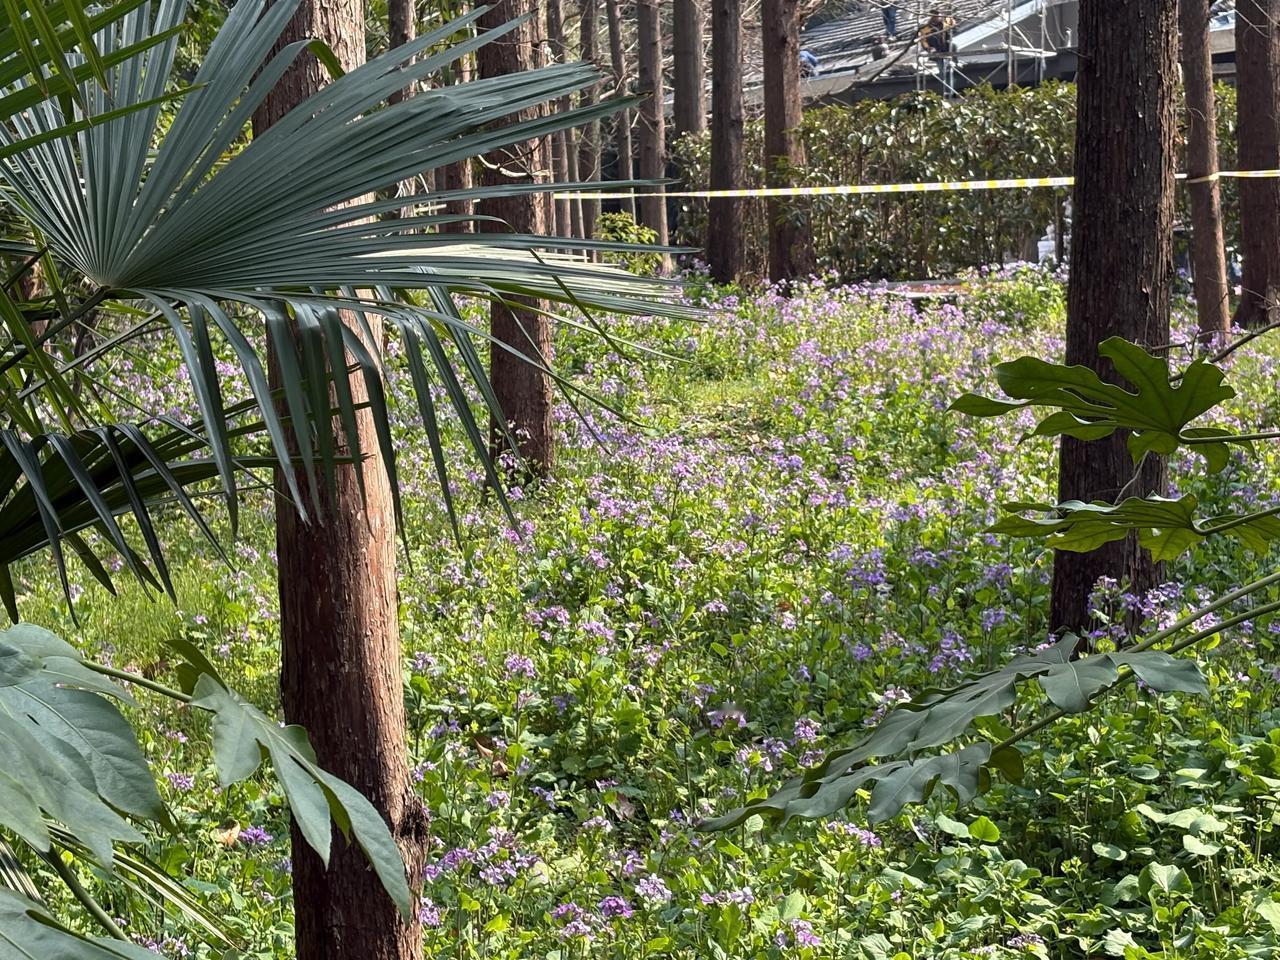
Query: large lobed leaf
point(1157, 410)
point(243, 735)
point(69, 752)
point(1166, 527)
point(944, 716)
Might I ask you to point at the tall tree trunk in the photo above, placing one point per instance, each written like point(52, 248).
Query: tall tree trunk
point(402, 27)
point(589, 156)
point(1208, 254)
point(621, 78)
point(459, 174)
point(1258, 133)
point(1121, 258)
point(342, 674)
point(790, 239)
point(562, 140)
point(725, 243)
point(523, 390)
point(653, 147)
point(689, 113)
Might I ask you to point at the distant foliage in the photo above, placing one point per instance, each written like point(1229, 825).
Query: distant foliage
point(985, 134)
point(621, 227)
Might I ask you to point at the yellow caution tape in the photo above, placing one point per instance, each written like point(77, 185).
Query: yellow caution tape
point(939, 186)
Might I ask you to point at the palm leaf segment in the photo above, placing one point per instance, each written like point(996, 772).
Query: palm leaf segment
point(209, 238)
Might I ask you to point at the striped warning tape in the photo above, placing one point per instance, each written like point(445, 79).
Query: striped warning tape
point(938, 186)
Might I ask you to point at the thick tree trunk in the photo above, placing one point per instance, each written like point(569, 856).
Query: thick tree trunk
point(589, 155)
point(652, 129)
point(523, 390)
point(1208, 254)
point(1258, 132)
point(790, 239)
point(1121, 258)
point(689, 113)
point(725, 243)
point(621, 78)
point(341, 675)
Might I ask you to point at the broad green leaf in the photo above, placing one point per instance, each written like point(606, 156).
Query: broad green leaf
point(1155, 407)
point(28, 932)
point(1168, 528)
point(1164, 673)
point(984, 829)
point(242, 733)
point(1164, 878)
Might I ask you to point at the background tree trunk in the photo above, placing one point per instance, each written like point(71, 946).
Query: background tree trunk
point(790, 240)
point(1208, 254)
point(342, 666)
point(621, 79)
point(402, 26)
point(1121, 258)
point(523, 391)
point(561, 140)
point(725, 246)
point(589, 154)
point(690, 108)
point(653, 150)
point(1258, 131)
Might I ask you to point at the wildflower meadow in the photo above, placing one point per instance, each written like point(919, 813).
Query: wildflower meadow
point(766, 534)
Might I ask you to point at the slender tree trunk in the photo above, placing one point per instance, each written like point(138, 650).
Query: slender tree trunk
point(1121, 258)
point(523, 390)
point(589, 156)
point(653, 148)
point(690, 107)
point(1258, 132)
point(725, 242)
point(1208, 254)
point(790, 238)
point(402, 27)
point(459, 174)
point(342, 674)
point(562, 140)
point(622, 122)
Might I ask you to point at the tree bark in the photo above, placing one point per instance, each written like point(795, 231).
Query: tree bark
point(652, 128)
point(523, 390)
point(725, 243)
point(589, 154)
point(1208, 254)
point(341, 674)
point(1121, 259)
point(458, 175)
point(561, 140)
point(1258, 132)
point(402, 27)
point(790, 239)
point(689, 113)
point(622, 121)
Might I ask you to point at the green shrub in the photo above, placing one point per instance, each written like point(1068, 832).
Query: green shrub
point(621, 227)
point(984, 134)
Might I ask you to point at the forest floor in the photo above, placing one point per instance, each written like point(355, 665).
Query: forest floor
point(785, 540)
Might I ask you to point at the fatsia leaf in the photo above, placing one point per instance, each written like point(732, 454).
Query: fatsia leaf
point(68, 750)
point(940, 717)
point(1163, 672)
point(242, 734)
point(27, 931)
point(1156, 408)
point(1166, 527)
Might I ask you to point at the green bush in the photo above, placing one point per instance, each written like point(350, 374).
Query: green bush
point(621, 227)
point(984, 134)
